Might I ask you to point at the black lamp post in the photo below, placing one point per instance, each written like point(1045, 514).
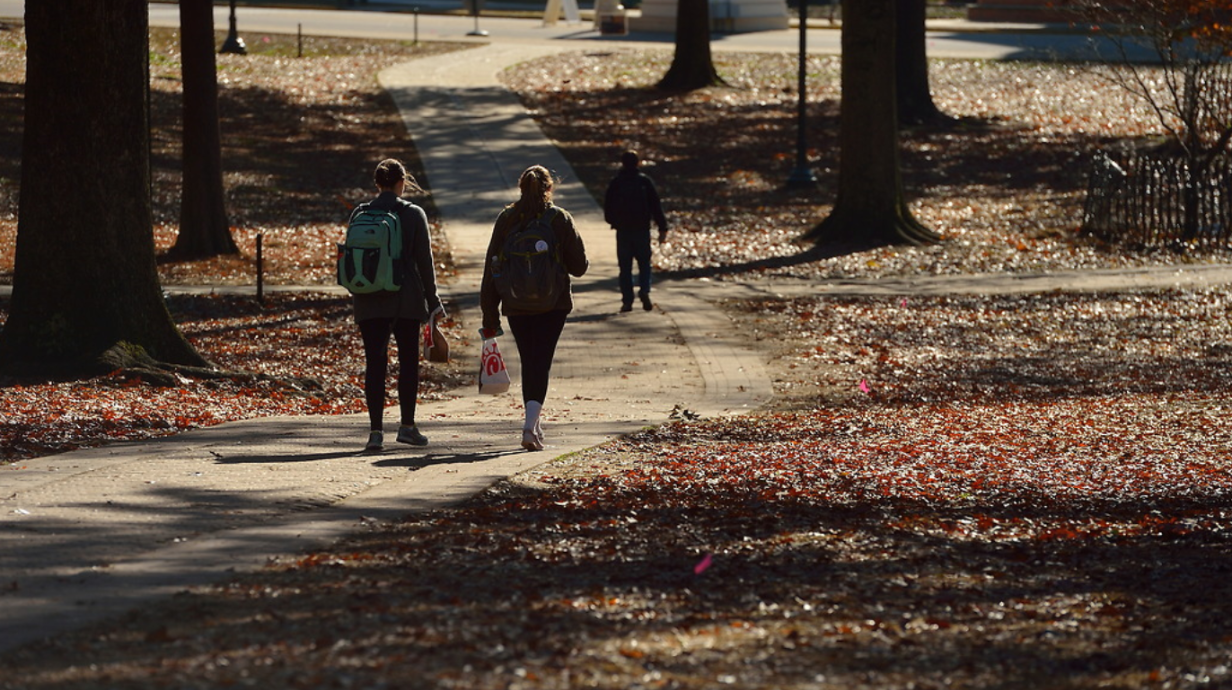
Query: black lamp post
point(475, 6)
point(802, 176)
point(233, 44)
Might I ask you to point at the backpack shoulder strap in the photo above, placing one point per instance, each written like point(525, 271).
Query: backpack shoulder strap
point(522, 224)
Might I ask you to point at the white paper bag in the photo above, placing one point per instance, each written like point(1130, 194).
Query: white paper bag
point(493, 376)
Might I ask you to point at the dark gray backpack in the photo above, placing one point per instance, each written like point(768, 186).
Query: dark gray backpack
point(529, 273)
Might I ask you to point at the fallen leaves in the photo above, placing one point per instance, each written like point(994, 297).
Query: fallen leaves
point(299, 353)
point(965, 491)
point(1004, 185)
point(891, 546)
point(1027, 347)
point(301, 136)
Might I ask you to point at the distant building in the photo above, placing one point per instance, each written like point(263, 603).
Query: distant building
point(726, 16)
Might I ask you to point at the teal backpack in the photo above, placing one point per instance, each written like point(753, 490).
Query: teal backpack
point(369, 258)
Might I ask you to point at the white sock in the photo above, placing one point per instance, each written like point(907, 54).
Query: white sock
point(533, 408)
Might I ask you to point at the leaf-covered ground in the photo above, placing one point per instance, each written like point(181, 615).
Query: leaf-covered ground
point(302, 135)
point(1004, 185)
point(991, 492)
point(972, 492)
point(300, 354)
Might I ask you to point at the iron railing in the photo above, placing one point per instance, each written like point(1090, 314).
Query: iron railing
point(1149, 202)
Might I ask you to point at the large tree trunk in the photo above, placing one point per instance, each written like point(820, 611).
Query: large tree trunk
point(915, 98)
point(204, 228)
point(85, 278)
point(692, 67)
point(870, 209)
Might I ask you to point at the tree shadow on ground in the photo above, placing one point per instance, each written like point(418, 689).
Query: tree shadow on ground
point(276, 172)
point(807, 255)
point(1021, 347)
point(545, 583)
point(722, 166)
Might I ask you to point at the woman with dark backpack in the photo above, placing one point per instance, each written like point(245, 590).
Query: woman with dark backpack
point(536, 321)
point(401, 313)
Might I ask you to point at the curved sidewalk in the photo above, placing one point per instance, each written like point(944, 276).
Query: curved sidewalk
point(95, 532)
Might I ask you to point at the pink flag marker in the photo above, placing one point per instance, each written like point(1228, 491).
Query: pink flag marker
point(702, 565)
point(864, 385)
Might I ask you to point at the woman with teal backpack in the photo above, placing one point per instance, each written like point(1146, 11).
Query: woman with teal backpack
point(398, 313)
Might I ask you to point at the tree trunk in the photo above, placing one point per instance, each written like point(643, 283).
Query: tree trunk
point(915, 98)
point(692, 67)
point(204, 228)
point(85, 276)
point(870, 209)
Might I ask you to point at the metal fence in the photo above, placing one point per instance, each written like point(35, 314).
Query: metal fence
point(1148, 202)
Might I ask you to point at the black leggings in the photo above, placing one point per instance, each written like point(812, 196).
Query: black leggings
point(376, 334)
point(536, 337)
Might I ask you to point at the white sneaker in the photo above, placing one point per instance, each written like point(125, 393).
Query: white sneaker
point(531, 440)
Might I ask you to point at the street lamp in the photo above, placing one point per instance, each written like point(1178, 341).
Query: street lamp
point(233, 44)
point(803, 175)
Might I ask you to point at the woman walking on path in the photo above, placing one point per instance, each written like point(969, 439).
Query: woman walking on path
point(401, 313)
point(536, 329)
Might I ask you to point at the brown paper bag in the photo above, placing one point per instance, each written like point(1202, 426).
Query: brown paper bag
point(436, 348)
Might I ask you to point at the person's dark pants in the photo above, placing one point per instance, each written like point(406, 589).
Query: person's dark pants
point(376, 334)
point(630, 247)
point(536, 336)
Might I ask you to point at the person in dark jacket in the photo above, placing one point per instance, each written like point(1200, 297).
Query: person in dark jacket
point(400, 314)
point(630, 204)
point(536, 333)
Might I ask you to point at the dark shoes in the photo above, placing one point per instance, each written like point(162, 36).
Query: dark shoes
point(411, 435)
point(406, 434)
point(376, 441)
point(646, 304)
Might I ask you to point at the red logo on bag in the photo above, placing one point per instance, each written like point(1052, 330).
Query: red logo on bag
point(493, 363)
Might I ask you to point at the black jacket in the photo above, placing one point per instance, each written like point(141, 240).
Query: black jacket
point(632, 211)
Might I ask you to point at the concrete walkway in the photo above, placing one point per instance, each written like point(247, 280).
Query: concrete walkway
point(94, 532)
